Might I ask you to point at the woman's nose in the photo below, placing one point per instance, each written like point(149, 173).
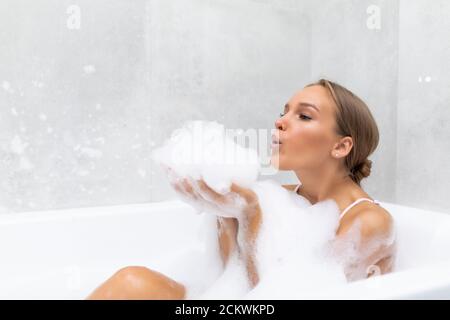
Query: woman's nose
point(279, 124)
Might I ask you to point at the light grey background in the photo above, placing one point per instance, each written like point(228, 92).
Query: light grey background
point(81, 109)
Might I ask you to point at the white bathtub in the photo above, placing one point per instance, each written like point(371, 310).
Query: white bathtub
point(65, 254)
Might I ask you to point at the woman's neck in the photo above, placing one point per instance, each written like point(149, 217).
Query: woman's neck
point(321, 184)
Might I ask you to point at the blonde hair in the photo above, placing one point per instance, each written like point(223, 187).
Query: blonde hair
point(354, 119)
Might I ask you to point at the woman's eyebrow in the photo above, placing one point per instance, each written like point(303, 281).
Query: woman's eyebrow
point(306, 104)
point(302, 104)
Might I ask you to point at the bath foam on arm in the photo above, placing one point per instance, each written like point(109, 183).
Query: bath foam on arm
point(292, 252)
point(201, 150)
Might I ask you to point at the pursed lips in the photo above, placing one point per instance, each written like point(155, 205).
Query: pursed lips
point(276, 142)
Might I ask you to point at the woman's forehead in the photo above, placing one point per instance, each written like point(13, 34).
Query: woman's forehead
point(316, 95)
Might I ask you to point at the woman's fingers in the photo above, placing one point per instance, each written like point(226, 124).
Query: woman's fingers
point(189, 190)
point(181, 185)
point(177, 187)
point(181, 190)
point(235, 190)
point(209, 193)
point(202, 194)
point(187, 186)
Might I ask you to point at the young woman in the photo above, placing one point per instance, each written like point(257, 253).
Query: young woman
point(324, 135)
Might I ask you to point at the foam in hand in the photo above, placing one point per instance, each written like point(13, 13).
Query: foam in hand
point(203, 150)
point(296, 249)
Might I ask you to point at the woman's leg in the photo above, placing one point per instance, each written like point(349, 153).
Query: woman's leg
point(138, 283)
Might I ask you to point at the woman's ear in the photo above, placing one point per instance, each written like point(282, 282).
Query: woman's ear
point(343, 147)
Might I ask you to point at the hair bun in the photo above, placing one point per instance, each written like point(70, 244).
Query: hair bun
point(362, 170)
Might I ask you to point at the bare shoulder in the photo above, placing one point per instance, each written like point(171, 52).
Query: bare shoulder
point(373, 220)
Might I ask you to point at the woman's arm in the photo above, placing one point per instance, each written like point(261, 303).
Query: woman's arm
point(371, 234)
point(252, 220)
point(228, 229)
point(227, 235)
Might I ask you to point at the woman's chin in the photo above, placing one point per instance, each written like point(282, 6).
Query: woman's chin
point(276, 162)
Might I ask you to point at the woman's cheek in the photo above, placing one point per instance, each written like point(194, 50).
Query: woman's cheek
point(312, 144)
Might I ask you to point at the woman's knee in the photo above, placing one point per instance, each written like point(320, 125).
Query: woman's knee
point(134, 275)
point(135, 282)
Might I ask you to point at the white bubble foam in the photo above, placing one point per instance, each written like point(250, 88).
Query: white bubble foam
point(296, 250)
point(202, 150)
point(293, 247)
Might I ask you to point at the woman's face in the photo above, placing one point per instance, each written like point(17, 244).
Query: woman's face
point(305, 131)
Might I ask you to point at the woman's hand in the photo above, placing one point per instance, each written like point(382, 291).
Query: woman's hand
point(239, 202)
point(231, 204)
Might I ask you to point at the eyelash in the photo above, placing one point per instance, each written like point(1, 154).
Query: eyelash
point(301, 115)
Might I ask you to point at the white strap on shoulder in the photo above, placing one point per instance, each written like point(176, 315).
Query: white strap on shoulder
point(355, 203)
point(350, 206)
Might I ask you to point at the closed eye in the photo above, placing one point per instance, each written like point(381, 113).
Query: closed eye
point(302, 116)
